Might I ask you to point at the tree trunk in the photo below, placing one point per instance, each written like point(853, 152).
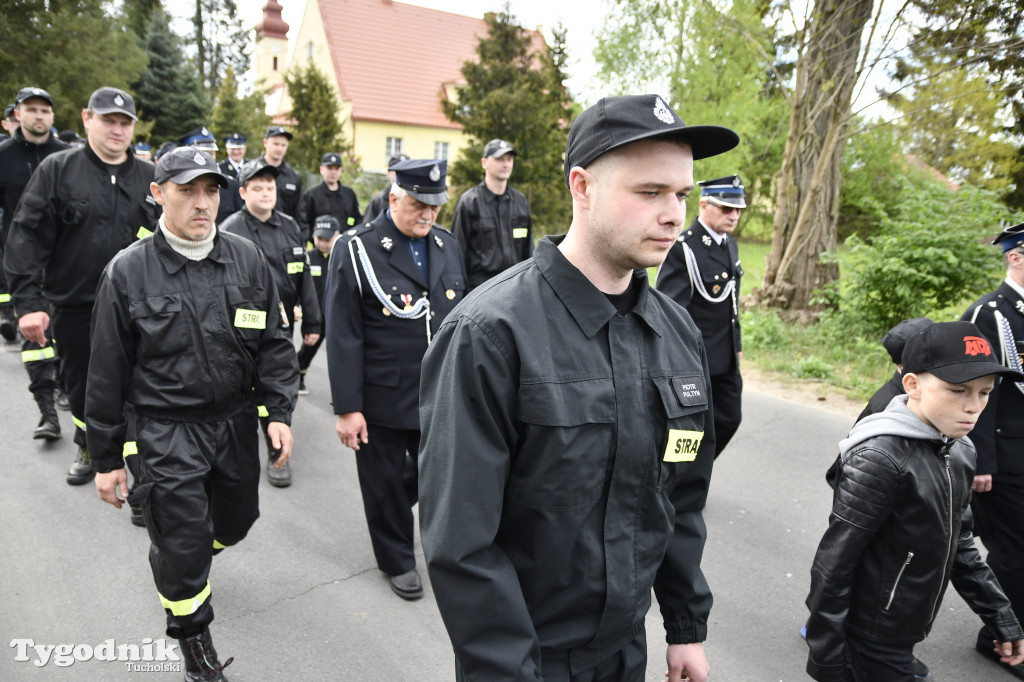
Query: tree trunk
point(809, 179)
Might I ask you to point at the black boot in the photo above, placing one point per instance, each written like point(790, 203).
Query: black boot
point(8, 327)
point(201, 658)
point(60, 399)
point(81, 471)
point(49, 424)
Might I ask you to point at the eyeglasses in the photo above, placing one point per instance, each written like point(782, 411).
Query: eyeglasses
point(729, 209)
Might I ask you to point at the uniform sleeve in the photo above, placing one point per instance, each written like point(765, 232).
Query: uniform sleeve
point(343, 327)
point(983, 435)
point(526, 247)
point(867, 489)
point(312, 317)
point(462, 220)
point(683, 593)
point(467, 403)
point(111, 359)
point(277, 366)
point(354, 215)
point(673, 277)
point(31, 241)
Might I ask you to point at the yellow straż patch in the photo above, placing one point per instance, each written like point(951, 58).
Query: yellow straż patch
point(250, 319)
point(682, 445)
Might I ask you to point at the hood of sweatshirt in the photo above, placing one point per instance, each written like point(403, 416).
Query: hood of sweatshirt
point(895, 420)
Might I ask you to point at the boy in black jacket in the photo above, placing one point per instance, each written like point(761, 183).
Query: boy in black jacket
point(326, 229)
point(894, 541)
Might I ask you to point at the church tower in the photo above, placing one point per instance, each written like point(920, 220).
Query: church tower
point(270, 56)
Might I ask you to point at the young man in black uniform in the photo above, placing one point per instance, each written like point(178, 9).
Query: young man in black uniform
point(278, 237)
point(289, 184)
point(391, 283)
point(567, 443)
point(325, 231)
point(492, 220)
point(186, 339)
point(702, 273)
point(998, 501)
point(31, 142)
point(330, 197)
point(80, 207)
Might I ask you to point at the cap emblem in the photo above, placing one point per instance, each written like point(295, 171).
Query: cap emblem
point(662, 112)
point(435, 173)
point(204, 131)
point(736, 181)
point(198, 158)
point(975, 345)
point(118, 100)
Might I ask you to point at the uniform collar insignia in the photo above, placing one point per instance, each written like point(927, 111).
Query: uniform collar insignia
point(706, 239)
point(1019, 305)
point(386, 243)
point(437, 240)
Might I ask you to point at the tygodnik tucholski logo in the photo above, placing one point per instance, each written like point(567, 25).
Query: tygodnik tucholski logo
point(152, 655)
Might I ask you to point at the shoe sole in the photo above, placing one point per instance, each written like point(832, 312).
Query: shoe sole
point(46, 436)
point(408, 596)
point(279, 484)
point(80, 480)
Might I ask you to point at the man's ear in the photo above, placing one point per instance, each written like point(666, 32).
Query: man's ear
point(912, 385)
point(581, 181)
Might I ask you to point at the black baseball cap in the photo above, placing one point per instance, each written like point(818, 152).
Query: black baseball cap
point(331, 159)
point(29, 93)
point(498, 147)
point(955, 352)
point(895, 340)
point(617, 121)
point(113, 101)
point(277, 130)
point(326, 226)
point(185, 164)
point(251, 169)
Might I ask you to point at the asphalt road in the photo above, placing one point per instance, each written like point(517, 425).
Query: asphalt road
point(301, 598)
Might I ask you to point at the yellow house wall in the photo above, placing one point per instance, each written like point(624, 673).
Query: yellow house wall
point(417, 142)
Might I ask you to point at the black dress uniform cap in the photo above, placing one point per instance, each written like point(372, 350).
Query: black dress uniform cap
point(326, 226)
point(617, 121)
point(200, 138)
point(727, 191)
point(331, 159)
point(28, 93)
point(1011, 237)
point(108, 100)
point(498, 147)
point(185, 164)
point(397, 159)
point(235, 141)
point(277, 130)
point(895, 340)
point(251, 169)
point(955, 352)
point(424, 179)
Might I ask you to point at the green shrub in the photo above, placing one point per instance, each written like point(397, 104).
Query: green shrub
point(762, 329)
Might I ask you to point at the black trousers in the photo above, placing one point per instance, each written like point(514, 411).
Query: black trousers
point(70, 328)
point(307, 353)
point(198, 488)
point(876, 662)
point(997, 521)
point(41, 365)
point(387, 467)
point(726, 399)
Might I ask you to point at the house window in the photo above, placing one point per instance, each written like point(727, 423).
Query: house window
point(309, 50)
point(394, 147)
point(441, 150)
point(275, 63)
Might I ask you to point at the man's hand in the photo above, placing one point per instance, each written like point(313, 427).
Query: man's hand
point(310, 339)
point(351, 428)
point(739, 358)
point(687, 662)
point(107, 485)
point(281, 439)
point(1010, 653)
point(33, 326)
point(982, 483)
point(297, 313)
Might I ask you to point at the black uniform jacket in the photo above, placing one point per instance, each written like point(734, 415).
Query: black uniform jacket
point(879, 571)
point(718, 322)
point(565, 460)
point(318, 266)
point(230, 201)
point(289, 190)
point(18, 159)
point(374, 358)
point(495, 231)
point(281, 243)
point(228, 169)
point(340, 203)
point(185, 340)
point(73, 217)
point(999, 433)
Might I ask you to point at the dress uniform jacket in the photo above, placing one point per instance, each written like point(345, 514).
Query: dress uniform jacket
point(565, 460)
point(321, 200)
point(289, 190)
point(999, 433)
point(281, 243)
point(228, 169)
point(185, 340)
point(718, 265)
point(494, 231)
point(374, 358)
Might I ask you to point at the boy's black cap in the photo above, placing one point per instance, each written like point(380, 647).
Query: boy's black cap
point(29, 93)
point(185, 164)
point(277, 130)
point(113, 101)
point(251, 169)
point(617, 121)
point(326, 226)
point(955, 352)
point(895, 340)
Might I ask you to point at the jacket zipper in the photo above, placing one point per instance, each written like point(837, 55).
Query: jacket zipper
point(892, 595)
point(949, 548)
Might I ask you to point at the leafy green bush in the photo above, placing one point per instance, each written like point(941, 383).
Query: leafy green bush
point(762, 329)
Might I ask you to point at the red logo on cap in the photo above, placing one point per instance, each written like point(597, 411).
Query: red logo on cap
point(975, 345)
